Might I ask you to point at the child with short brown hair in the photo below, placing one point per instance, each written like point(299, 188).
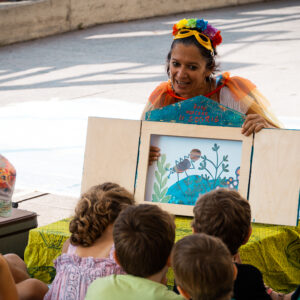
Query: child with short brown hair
point(203, 268)
point(226, 214)
point(144, 236)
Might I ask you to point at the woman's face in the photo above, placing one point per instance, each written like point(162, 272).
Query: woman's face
point(188, 70)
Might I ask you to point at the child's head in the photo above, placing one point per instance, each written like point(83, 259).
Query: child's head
point(203, 268)
point(144, 236)
point(225, 214)
point(96, 209)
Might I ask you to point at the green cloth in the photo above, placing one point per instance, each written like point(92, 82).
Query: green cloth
point(274, 250)
point(128, 287)
point(44, 246)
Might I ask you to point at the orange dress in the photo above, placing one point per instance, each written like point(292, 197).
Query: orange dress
point(242, 91)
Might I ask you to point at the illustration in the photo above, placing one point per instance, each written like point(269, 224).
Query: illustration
point(182, 174)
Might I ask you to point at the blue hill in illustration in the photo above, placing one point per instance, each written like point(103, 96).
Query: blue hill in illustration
point(187, 190)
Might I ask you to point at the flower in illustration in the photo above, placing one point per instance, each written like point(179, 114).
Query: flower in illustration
point(230, 182)
point(237, 173)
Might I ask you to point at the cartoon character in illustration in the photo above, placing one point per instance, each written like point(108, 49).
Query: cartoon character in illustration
point(185, 163)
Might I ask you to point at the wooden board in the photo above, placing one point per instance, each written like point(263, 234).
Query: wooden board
point(183, 130)
point(111, 152)
point(275, 177)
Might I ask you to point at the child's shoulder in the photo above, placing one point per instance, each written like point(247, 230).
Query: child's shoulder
point(119, 286)
point(249, 282)
point(247, 276)
point(247, 271)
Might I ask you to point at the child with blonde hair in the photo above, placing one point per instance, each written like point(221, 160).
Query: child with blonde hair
point(88, 254)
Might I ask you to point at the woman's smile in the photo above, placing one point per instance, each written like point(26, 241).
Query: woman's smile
point(188, 71)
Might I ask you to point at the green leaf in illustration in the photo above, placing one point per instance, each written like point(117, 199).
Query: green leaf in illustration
point(202, 165)
point(163, 192)
point(224, 167)
point(154, 198)
point(160, 186)
point(157, 176)
point(206, 177)
point(215, 147)
point(156, 189)
point(163, 172)
point(164, 182)
point(159, 166)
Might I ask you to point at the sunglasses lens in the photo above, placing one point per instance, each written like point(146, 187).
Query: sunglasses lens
point(204, 38)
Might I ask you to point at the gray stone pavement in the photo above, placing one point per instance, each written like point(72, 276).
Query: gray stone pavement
point(48, 87)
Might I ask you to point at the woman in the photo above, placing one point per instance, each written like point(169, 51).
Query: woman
point(191, 67)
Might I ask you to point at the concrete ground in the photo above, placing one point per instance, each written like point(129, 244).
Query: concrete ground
point(48, 87)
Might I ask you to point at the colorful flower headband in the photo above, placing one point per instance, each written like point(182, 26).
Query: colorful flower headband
point(206, 29)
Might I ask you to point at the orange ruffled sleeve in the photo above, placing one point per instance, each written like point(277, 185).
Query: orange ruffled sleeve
point(244, 90)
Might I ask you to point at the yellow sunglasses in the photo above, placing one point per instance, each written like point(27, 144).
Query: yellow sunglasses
point(200, 37)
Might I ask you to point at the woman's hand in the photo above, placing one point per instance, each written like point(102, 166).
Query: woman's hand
point(154, 154)
point(254, 123)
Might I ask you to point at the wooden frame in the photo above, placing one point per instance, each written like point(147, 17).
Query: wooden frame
point(118, 151)
point(111, 152)
point(195, 131)
point(274, 185)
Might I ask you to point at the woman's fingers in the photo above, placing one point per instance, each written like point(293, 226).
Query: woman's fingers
point(154, 149)
point(154, 154)
point(253, 123)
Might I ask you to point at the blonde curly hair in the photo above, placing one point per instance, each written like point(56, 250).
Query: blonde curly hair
point(96, 209)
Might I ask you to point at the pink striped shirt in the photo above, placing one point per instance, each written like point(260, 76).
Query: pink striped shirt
point(74, 274)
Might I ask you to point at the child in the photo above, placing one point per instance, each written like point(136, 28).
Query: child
point(227, 215)
point(19, 281)
point(8, 288)
point(89, 252)
point(144, 236)
point(203, 268)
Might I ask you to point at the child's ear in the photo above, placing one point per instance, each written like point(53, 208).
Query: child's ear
point(169, 263)
point(183, 293)
point(235, 272)
point(248, 236)
point(116, 258)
